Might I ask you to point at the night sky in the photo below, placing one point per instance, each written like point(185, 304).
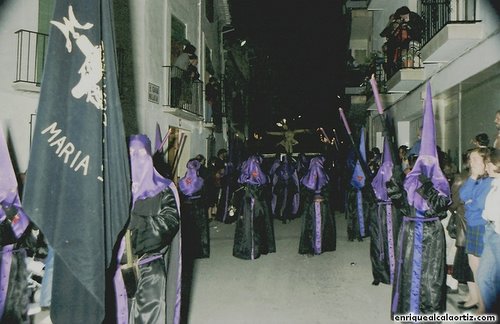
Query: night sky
point(302, 44)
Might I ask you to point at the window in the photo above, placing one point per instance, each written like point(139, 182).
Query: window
point(209, 10)
point(178, 38)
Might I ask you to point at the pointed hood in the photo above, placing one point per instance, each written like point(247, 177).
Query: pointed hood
point(384, 173)
point(146, 181)
point(358, 176)
point(316, 177)
point(427, 162)
point(158, 139)
point(191, 183)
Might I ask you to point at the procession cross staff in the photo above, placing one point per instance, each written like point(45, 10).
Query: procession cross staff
point(397, 172)
point(335, 137)
point(165, 139)
point(362, 162)
point(177, 156)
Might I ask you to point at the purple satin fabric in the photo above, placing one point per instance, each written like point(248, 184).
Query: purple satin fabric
point(5, 274)
point(315, 178)
point(317, 227)
point(427, 162)
point(252, 206)
point(358, 177)
point(146, 181)
point(177, 245)
point(274, 166)
point(251, 172)
point(281, 171)
point(380, 238)
point(415, 276)
point(361, 218)
point(120, 291)
point(191, 183)
point(384, 174)
point(390, 240)
point(302, 163)
point(21, 223)
point(428, 166)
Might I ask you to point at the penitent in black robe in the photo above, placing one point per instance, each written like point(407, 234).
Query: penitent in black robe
point(318, 232)
point(384, 228)
point(195, 230)
point(431, 293)
point(356, 229)
point(254, 234)
point(155, 225)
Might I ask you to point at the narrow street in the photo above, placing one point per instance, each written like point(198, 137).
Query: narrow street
point(286, 287)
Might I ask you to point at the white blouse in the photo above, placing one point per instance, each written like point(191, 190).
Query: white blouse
point(491, 210)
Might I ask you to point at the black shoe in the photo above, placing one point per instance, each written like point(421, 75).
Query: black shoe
point(375, 282)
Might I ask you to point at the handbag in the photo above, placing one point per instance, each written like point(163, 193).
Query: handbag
point(452, 226)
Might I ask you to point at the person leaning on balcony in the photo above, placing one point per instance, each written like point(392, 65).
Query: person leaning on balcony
point(391, 44)
point(190, 75)
point(180, 65)
point(409, 35)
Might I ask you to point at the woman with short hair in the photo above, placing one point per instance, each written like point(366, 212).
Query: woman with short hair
point(473, 193)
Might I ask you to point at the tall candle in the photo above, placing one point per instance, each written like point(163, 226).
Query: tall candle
point(376, 95)
point(346, 125)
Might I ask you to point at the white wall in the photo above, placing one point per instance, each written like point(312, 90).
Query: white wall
point(478, 111)
point(16, 106)
point(151, 36)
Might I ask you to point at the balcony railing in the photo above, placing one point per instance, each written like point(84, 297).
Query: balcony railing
point(184, 93)
point(31, 49)
point(438, 13)
point(359, 76)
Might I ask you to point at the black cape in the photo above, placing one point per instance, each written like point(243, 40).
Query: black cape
point(195, 230)
point(432, 289)
point(254, 233)
point(155, 227)
point(316, 210)
point(383, 246)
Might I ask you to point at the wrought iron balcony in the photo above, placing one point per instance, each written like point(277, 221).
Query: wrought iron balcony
point(186, 96)
point(451, 28)
point(31, 49)
point(438, 13)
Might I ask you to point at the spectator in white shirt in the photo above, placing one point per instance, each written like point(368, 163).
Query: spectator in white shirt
point(489, 266)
